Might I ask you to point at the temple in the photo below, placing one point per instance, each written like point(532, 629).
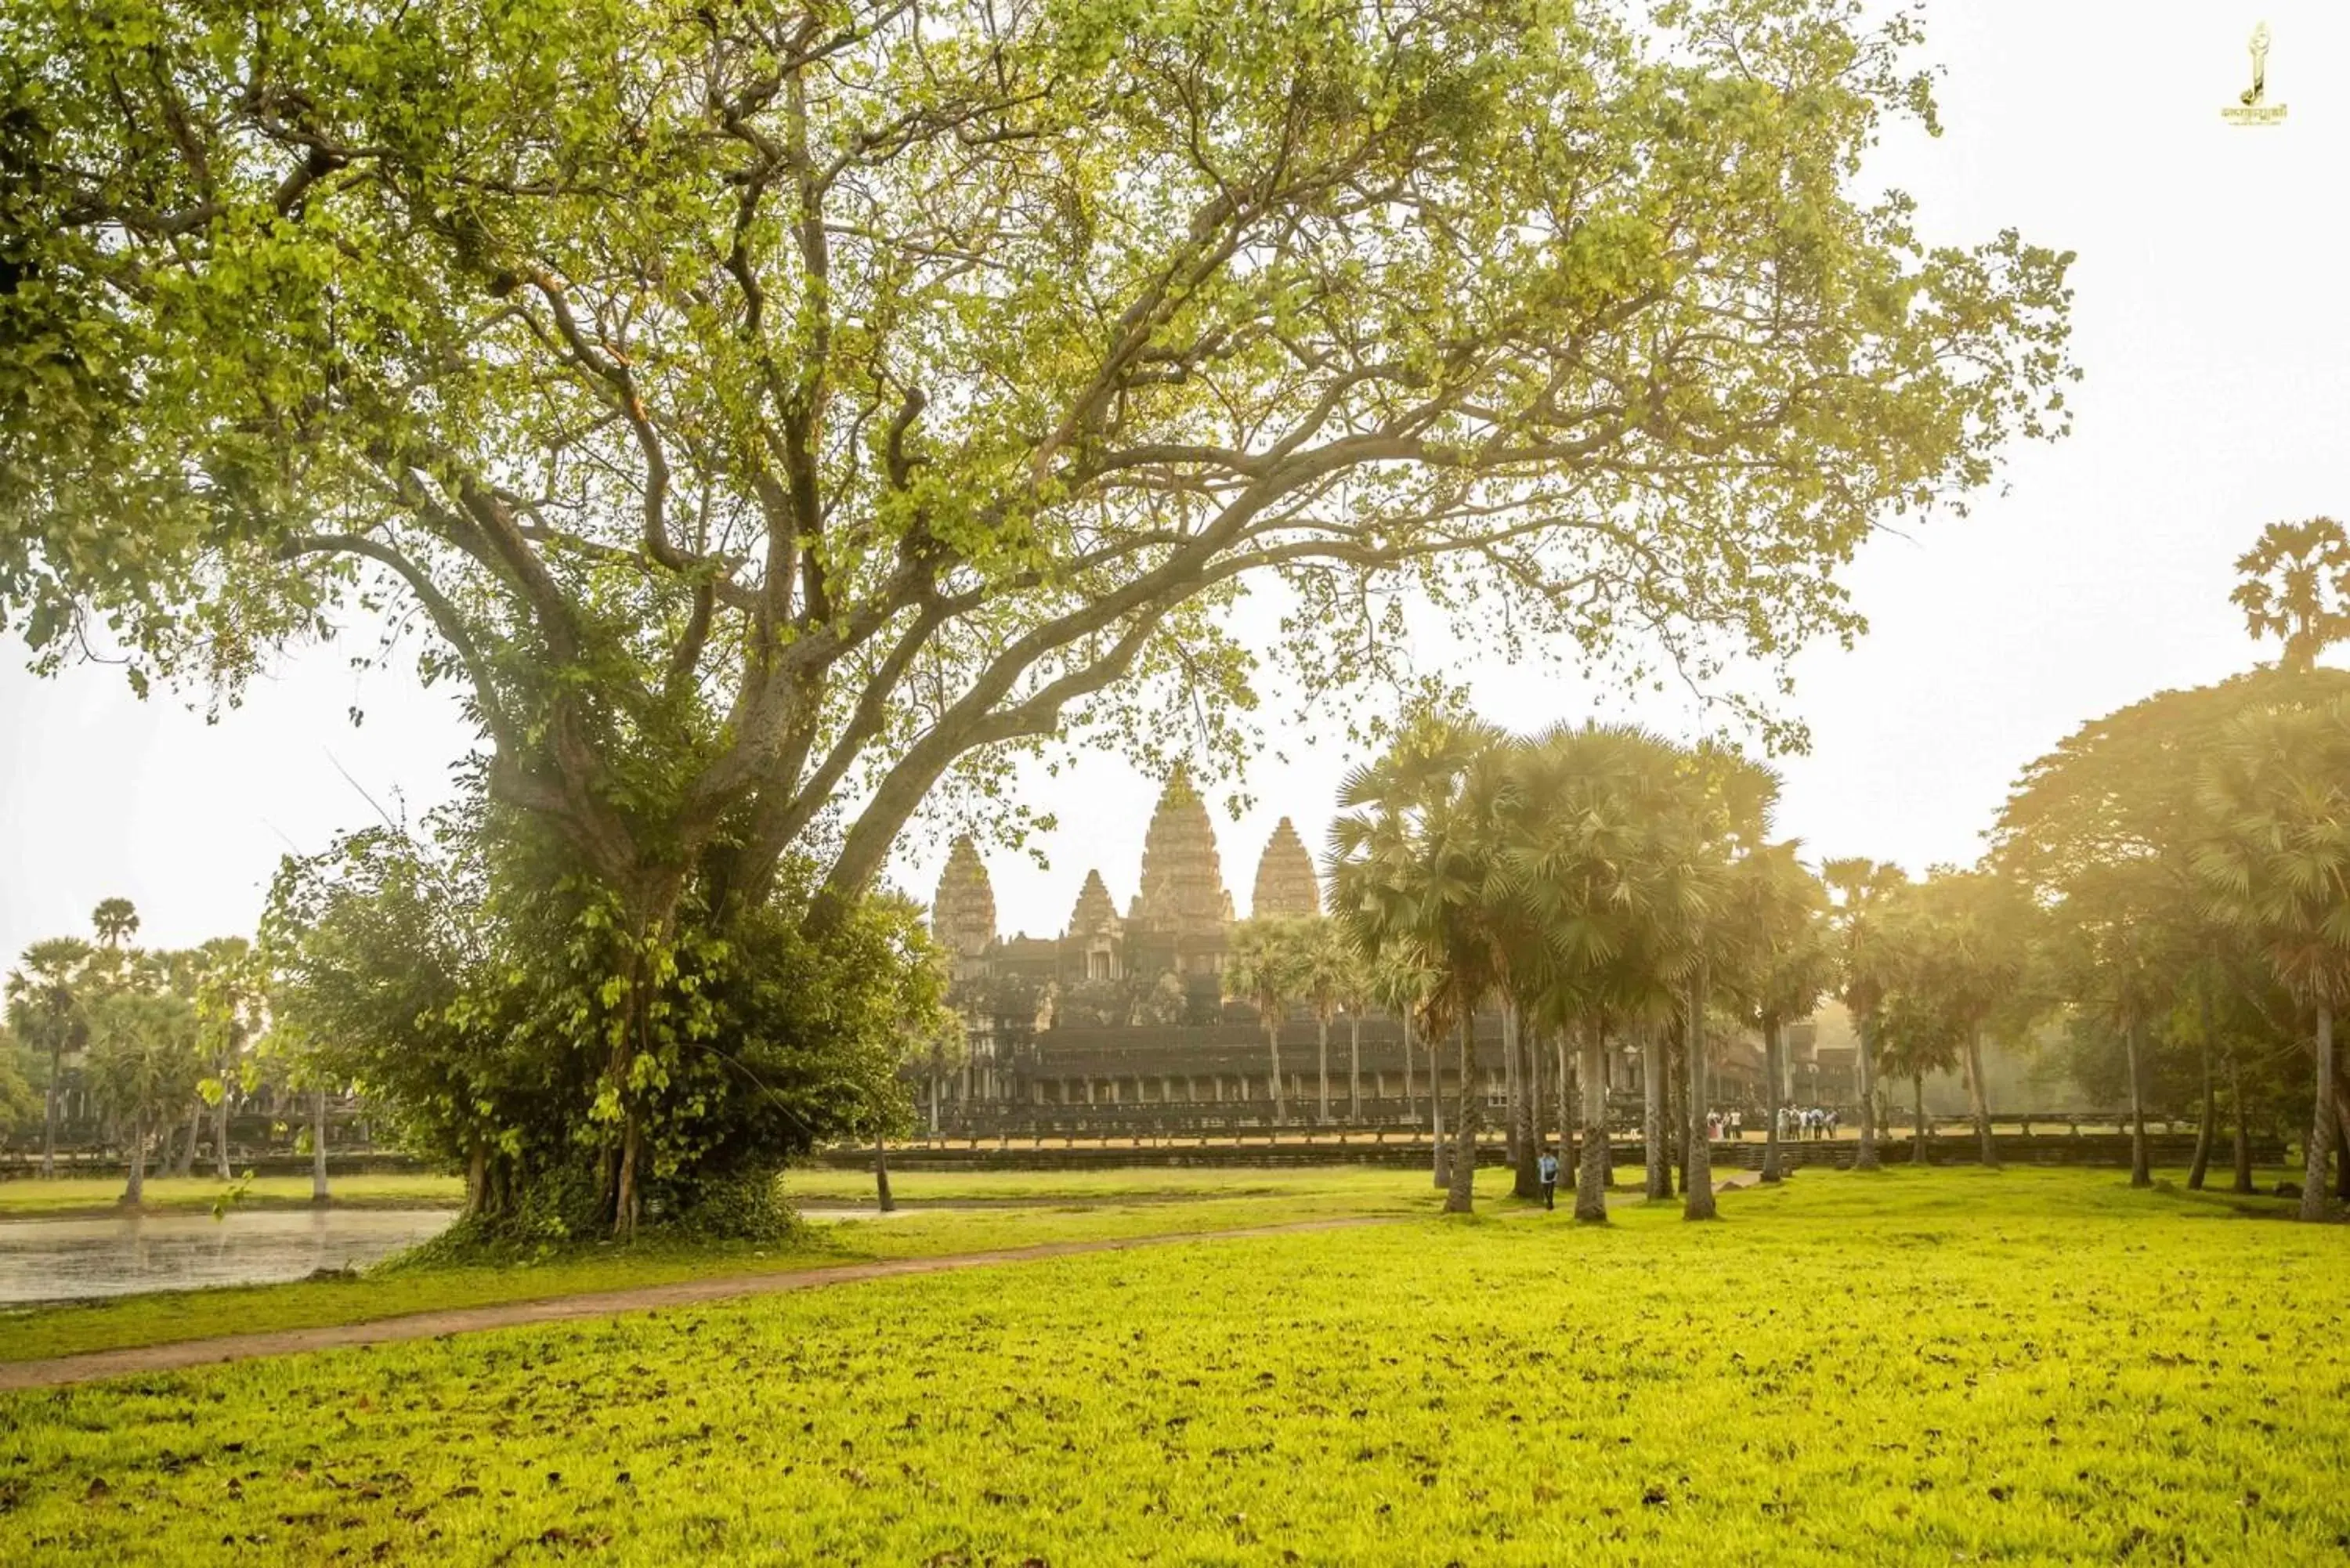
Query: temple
point(1120, 1022)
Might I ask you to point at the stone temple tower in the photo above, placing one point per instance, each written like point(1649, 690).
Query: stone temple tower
point(963, 914)
point(1286, 887)
point(1094, 928)
point(1183, 881)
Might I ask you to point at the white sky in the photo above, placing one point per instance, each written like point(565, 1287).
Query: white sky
point(2210, 317)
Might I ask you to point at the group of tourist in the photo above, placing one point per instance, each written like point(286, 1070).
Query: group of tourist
point(1807, 1121)
point(1795, 1122)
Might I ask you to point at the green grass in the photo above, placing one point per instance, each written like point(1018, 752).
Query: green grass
point(29, 1198)
point(1213, 1202)
point(1921, 1367)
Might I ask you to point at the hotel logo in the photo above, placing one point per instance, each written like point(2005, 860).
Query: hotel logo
point(2252, 106)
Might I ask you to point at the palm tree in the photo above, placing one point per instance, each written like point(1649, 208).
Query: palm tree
point(48, 1011)
point(143, 1065)
point(229, 1007)
point(2122, 953)
point(1325, 974)
point(1409, 868)
point(1401, 980)
point(1785, 967)
point(2277, 862)
point(115, 920)
point(1261, 968)
point(1965, 944)
point(1861, 887)
point(2295, 581)
point(1601, 902)
point(1355, 994)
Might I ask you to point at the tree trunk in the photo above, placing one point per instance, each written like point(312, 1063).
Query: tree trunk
point(1771, 1068)
point(1322, 1067)
point(1353, 1068)
point(1410, 1097)
point(1988, 1151)
point(1510, 1099)
point(2242, 1154)
point(186, 1164)
point(2314, 1201)
point(1917, 1135)
point(1565, 1088)
point(2141, 1175)
point(318, 1193)
point(2207, 1131)
point(1864, 1068)
point(881, 1199)
point(1459, 1196)
point(1652, 1113)
point(1273, 1046)
point(1525, 1153)
point(1441, 1163)
point(135, 1193)
point(1697, 1202)
point(1591, 1177)
point(220, 1134)
point(49, 1117)
point(477, 1180)
point(1676, 1113)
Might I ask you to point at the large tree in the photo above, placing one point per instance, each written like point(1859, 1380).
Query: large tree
point(774, 413)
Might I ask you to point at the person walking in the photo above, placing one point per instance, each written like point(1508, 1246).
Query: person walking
point(1548, 1167)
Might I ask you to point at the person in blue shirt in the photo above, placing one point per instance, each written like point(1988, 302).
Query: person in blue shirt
point(1548, 1165)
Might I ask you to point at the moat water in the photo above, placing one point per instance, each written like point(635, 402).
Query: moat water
point(66, 1260)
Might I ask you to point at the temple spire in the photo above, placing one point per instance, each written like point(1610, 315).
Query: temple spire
point(1285, 886)
point(1182, 879)
point(963, 915)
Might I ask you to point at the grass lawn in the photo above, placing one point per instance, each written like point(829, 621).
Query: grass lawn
point(1132, 1205)
point(28, 1197)
point(1941, 1366)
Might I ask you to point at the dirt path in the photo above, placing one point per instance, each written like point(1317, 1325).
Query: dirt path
point(90, 1366)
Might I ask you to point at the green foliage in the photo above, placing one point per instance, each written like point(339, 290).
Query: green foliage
point(22, 1071)
point(763, 413)
point(500, 1014)
point(2016, 1376)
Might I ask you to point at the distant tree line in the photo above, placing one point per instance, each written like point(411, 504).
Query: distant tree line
point(2171, 887)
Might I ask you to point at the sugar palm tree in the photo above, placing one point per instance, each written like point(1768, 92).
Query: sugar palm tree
point(1325, 974)
point(1916, 1038)
point(2277, 863)
point(1965, 950)
point(2295, 586)
point(1262, 967)
point(229, 1009)
point(2122, 956)
point(144, 1064)
point(1355, 994)
point(1605, 909)
point(48, 1010)
point(1408, 871)
point(115, 920)
point(1861, 887)
point(1401, 979)
point(1784, 965)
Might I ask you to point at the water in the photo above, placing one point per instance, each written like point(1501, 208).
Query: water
point(64, 1260)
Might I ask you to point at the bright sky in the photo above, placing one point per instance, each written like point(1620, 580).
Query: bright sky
point(2210, 317)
